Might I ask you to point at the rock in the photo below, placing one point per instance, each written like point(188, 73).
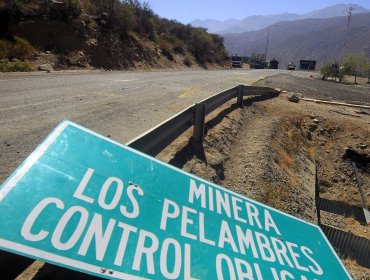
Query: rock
point(292, 97)
point(58, 5)
point(45, 67)
point(312, 127)
point(316, 121)
point(363, 146)
point(309, 136)
point(104, 16)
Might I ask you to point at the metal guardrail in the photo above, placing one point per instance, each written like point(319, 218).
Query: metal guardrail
point(155, 140)
point(346, 244)
point(349, 245)
point(343, 209)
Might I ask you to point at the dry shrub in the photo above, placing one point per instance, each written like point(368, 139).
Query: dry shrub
point(286, 161)
point(166, 49)
point(311, 153)
point(21, 49)
point(292, 133)
point(272, 195)
point(179, 47)
point(15, 66)
point(188, 60)
point(79, 6)
point(5, 49)
point(26, 7)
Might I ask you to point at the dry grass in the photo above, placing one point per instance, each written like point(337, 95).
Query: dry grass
point(286, 160)
point(292, 133)
point(272, 195)
point(15, 66)
point(19, 49)
point(311, 153)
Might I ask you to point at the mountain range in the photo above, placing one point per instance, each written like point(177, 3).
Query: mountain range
point(313, 38)
point(257, 22)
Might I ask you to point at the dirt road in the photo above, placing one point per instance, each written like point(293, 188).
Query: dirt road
point(121, 105)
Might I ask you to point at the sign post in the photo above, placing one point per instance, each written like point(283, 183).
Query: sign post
point(87, 203)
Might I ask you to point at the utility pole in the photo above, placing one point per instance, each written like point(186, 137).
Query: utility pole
point(346, 38)
point(267, 40)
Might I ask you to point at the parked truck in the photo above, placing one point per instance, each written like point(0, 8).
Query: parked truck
point(273, 64)
point(236, 61)
point(258, 61)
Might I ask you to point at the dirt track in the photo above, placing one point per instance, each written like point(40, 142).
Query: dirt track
point(267, 151)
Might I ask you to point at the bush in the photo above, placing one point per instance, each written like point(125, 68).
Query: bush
point(206, 47)
point(326, 71)
point(200, 45)
point(15, 66)
point(5, 49)
point(21, 49)
point(355, 64)
point(188, 61)
point(166, 49)
point(79, 6)
point(179, 46)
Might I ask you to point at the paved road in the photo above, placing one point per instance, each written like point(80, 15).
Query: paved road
point(121, 105)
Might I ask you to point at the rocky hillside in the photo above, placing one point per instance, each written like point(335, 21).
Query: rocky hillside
point(315, 39)
point(107, 34)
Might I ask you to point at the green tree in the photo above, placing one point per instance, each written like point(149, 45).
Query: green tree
point(355, 64)
point(367, 70)
point(326, 71)
point(200, 44)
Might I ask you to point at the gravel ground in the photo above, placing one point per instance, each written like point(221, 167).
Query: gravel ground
point(266, 152)
point(316, 88)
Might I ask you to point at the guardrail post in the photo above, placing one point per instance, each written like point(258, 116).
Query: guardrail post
point(317, 195)
point(199, 122)
point(239, 95)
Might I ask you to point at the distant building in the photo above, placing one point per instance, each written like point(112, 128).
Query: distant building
point(307, 64)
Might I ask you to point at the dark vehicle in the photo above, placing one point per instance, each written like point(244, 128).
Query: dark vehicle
point(258, 61)
point(307, 64)
point(236, 61)
point(291, 66)
point(273, 64)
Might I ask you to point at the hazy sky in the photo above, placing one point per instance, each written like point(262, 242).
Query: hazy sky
point(187, 10)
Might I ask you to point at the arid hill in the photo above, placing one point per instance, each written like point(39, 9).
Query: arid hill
point(316, 39)
point(101, 34)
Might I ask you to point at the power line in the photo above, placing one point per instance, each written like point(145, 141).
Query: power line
point(349, 20)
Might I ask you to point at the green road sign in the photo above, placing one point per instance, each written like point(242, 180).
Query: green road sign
point(88, 203)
